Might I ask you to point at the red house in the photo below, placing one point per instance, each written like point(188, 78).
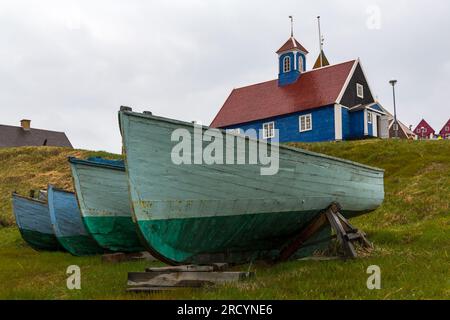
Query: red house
point(424, 131)
point(445, 132)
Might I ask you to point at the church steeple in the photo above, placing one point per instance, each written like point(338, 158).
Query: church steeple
point(321, 61)
point(291, 59)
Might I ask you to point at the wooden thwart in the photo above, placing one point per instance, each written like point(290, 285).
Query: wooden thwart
point(345, 232)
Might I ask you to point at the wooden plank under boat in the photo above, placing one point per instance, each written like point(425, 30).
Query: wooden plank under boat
point(199, 214)
point(33, 220)
point(102, 191)
point(67, 224)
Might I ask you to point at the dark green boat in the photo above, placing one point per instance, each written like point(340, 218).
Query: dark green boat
point(102, 190)
point(201, 213)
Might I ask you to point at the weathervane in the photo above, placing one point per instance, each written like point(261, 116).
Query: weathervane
point(321, 40)
point(292, 25)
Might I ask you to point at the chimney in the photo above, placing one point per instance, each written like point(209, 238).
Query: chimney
point(25, 124)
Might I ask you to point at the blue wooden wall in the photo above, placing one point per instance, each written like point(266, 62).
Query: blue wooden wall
point(289, 130)
point(357, 124)
point(346, 133)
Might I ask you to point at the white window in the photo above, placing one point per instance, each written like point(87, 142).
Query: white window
point(369, 117)
point(305, 123)
point(424, 130)
point(286, 64)
point(418, 130)
point(360, 90)
point(269, 130)
point(447, 129)
point(300, 64)
point(234, 131)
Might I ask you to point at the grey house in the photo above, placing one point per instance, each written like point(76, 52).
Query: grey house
point(11, 136)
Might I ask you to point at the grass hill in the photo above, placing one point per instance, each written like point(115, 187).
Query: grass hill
point(410, 232)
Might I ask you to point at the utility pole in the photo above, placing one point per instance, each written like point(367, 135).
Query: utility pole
point(393, 83)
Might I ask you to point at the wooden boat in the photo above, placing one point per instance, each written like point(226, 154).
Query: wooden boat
point(199, 214)
point(68, 227)
point(102, 191)
point(33, 220)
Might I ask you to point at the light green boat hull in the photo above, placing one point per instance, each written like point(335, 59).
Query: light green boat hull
point(103, 197)
point(202, 213)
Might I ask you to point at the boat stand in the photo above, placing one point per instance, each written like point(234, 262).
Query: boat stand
point(188, 276)
point(346, 234)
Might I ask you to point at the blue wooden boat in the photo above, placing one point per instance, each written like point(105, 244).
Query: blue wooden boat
point(101, 188)
point(68, 227)
point(33, 220)
point(200, 213)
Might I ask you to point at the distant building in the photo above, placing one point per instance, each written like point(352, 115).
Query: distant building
point(424, 131)
point(404, 132)
point(328, 103)
point(11, 136)
point(445, 132)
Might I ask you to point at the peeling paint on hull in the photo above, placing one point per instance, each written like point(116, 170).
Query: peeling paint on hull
point(33, 221)
point(231, 213)
point(68, 225)
point(102, 192)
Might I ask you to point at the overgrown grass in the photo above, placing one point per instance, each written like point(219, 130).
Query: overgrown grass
point(411, 232)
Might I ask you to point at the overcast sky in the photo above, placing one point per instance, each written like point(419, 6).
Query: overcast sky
point(69, 65)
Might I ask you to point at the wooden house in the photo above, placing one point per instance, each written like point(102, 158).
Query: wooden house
point(11, 136)
point(329, 103)
point(445, 132)
point(424, 131)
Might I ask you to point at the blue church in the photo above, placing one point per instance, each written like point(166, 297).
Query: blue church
point(327, 103)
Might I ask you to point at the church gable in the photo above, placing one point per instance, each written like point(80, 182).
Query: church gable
point(357, 91)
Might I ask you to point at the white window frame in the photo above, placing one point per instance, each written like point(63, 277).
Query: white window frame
point(301, 67)
point(305, 117)
point(447, 128)
point(360, 90)
point(266, 133)
point(369, 117)
point(289, 64)
point(236, 131)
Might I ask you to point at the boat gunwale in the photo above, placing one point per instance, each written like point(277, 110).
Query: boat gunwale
point(59, 190)
point(281, 146)
point(15, 194)
point(74, 160)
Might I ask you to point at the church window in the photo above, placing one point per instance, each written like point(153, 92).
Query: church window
point(287, 64)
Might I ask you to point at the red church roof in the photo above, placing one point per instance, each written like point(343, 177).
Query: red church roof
point(423, 129)
point(291, 44)
point(445, 129)
point(314, 89)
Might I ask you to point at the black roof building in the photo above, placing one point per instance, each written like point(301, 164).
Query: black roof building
point(11, 136)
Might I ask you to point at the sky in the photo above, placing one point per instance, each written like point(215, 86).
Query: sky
point(69, 65)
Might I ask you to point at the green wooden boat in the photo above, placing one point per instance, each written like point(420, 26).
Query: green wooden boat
point(67, 224)
point(33, 220)
point(231, 213)
point(102, 191)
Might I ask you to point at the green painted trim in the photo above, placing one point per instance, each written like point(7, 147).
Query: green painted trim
point(80, 245)
point(239, 238)
point(40, 241)
point(114, 233)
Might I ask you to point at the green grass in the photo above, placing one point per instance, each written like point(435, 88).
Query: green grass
point(411, 233)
